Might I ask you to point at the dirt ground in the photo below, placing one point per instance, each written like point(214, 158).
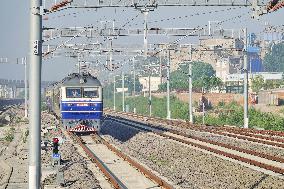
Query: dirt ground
point(270, 109)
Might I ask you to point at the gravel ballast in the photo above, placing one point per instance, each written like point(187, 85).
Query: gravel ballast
point(271, 150)
point(75, 170)
point(184, 166)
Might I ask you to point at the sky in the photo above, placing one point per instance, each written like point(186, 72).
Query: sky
point(14, 38)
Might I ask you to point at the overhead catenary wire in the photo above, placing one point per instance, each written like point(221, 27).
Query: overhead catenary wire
point(75, 36)
point(198, 28)
point(176, 41)
point(128, 23)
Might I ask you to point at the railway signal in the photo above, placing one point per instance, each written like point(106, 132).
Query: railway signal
point(55, 146)
point(55, 155)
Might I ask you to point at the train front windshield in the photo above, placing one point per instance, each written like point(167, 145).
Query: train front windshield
point(90, 92)
point(73, 93)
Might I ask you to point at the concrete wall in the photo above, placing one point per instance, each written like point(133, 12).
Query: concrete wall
point(214, 98)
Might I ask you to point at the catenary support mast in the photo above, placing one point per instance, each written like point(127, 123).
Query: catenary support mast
point(35, 98)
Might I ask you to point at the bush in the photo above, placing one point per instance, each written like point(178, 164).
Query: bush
point(10, 134)
point(234, 116)
point(229, 114)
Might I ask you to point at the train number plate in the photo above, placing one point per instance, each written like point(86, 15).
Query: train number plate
point(82, 104)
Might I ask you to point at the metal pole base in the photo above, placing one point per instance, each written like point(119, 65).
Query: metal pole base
point(246, 120)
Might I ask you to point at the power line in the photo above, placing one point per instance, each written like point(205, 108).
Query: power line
point(176, 41)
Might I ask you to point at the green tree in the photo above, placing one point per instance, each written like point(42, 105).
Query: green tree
point(128, 83)
point(202, 69)
point(274, 60)
point(216, 82)
point(272, 84)
point(201, 74)
point(257, 83)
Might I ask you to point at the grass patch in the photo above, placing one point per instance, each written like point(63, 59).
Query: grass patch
point(158, 161)
point(10, 135)
point(25, 136)
point(223, 114)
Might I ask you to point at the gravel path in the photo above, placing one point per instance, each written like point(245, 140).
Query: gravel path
point(13, 149)
point(75, 170)
point(186, 167)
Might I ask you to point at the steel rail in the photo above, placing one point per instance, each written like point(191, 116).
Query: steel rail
point(111, 177)
point(228, 129)
point(251, 152)
point(249, 131)
point(133, 163)
point(281, 140)
point(254, 131)
point(201, 146)
point(240, 134)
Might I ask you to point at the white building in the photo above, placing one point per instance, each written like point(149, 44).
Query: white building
point(266, 76)
point(155, 82)
point(120, 90)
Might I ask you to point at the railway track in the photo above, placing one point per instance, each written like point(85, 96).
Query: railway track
point(122, 171)
point(258, 136)
point(259, 160)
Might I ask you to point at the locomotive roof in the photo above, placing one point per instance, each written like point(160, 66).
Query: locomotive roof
point(76, 79)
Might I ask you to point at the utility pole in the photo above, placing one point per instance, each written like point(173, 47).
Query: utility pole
point(246, 119)
point(145, 13)
point(24, 61)
point(209, 28)
point(35, 98)
point(114, 89)
point(110, 56)
point(123, 95)
point(150, 95)
point(134, 76)
point(79, 64)
point(160, 56)
point(168, 85)
point(190, 87)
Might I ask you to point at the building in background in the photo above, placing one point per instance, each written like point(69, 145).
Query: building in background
point(234, 82)
point(155, 82)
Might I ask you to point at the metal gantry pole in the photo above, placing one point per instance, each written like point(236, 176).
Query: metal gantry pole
point(190, 113)
point(79, 65)
point(26, 88)
point(168, 86)
point(134, 76)
point(150, 95)
point(110, 56)
point(123, 95)
point(34, 94)
point(160, 56)
point(114, 89)
point(246, 119)
point(145, 12)
point(203, 113)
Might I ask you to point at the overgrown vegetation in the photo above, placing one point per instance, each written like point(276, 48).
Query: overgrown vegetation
point(203, 77)
point(9, 136)
point(179, 110)
point(25, 136)
point(223, 114)
point(43, 105)
point(274, 59)
point(232, 114)
point(258, 83)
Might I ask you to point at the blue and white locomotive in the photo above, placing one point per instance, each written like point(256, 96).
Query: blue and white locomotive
point(78, 99)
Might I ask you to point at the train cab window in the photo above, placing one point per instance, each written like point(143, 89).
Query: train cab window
point(73, 93)
point(90, 92)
